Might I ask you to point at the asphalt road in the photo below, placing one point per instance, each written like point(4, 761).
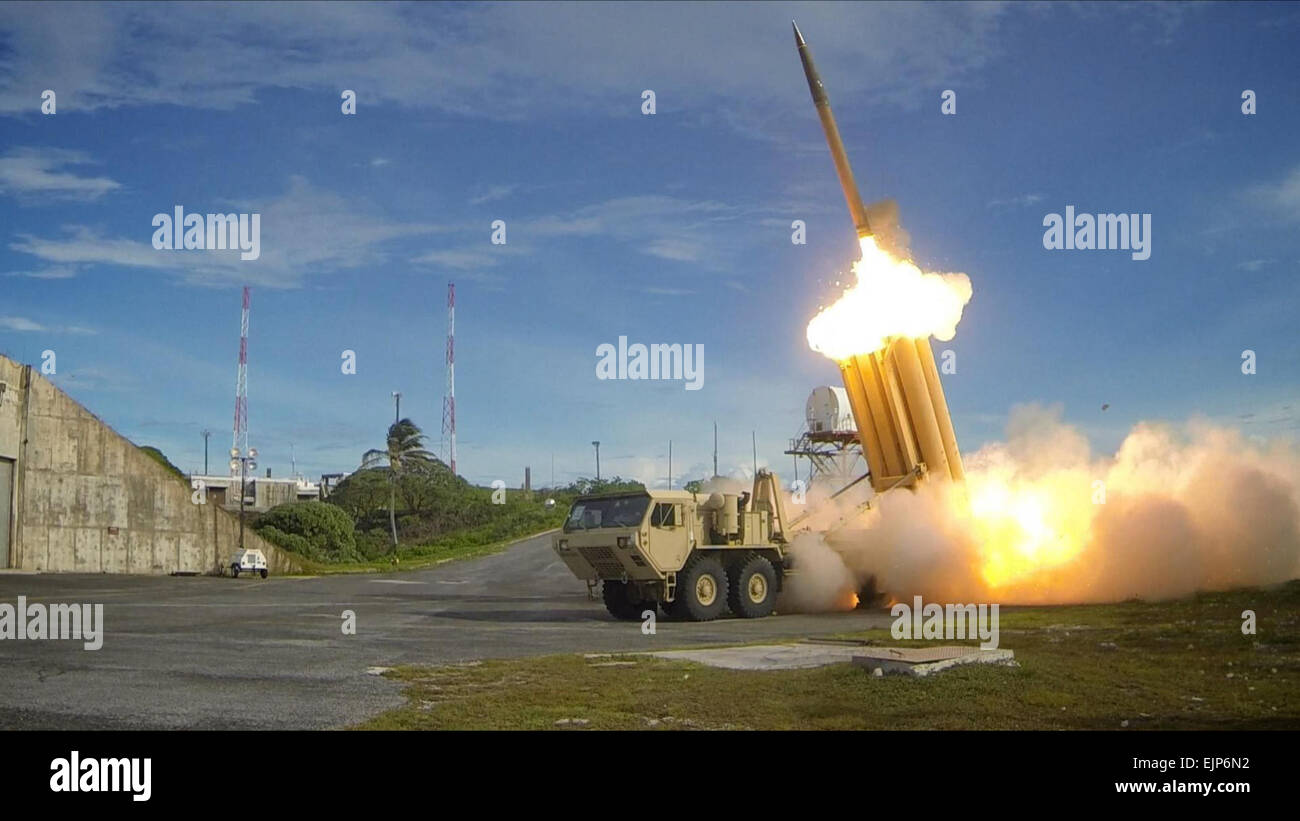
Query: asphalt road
point(210, 652)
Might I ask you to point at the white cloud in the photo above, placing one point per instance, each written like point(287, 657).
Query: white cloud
point(53, 272)
point(82, 245)
point(674, 249)
point(1253, 265)
point(1022, 200)
point(18, 323)
point(500, 61)
point(458, 258)
point(492, 193)
point(305, 231)
point(1281, 198)
point(24, 325)
point(671, 228)
point(660, 226)
point(40, 172)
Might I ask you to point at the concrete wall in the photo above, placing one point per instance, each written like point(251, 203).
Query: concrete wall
point(86, 500)
point(268, 494)
point(263, 494)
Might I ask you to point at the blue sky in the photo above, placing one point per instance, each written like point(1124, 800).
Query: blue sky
point(668, 228)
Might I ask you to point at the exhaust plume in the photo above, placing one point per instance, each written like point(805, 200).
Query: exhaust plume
point(1040, 520)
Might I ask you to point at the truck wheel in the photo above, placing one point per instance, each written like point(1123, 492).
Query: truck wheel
point(234, 570)
point(753, 588)
point(619, 601)
point(701, 589)
point(264, 573)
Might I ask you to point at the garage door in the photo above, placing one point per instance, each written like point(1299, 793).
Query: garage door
point(6, 497)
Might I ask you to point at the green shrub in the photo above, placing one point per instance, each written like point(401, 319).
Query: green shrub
point(319, 531)
point(291, 542)
point(373, 544)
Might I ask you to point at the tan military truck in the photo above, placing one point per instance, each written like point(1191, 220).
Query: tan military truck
point(694, 554)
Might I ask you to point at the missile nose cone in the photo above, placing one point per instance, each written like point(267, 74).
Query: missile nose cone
point(809, 70)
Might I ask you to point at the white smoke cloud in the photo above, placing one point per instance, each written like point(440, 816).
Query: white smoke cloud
point(1186, 508)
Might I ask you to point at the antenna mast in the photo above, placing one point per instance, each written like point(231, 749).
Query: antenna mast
point(240, 441)
point(449, 397)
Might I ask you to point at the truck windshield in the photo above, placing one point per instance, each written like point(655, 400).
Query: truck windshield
point(622, 511)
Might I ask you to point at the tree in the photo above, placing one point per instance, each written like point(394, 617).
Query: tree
point(583, 485)
point(421, 487)
point(317, 530)
point(405, 454)
point(362, 494)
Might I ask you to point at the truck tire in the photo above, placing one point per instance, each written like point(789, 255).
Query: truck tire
point(234, 570)
point(620, 603)
point(752, 594)
point(701, 589)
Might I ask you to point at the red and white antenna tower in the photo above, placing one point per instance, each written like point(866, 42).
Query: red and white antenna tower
point(449, 398)
point(240, 442)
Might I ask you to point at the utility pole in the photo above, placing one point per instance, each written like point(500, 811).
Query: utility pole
point(242, 462)
point(715, 450)
point(753, 438)
point(206, 434)
point(670, 464)
point(397, 407)
point(597, 444)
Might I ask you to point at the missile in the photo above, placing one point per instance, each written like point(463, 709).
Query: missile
point(894, 393)
point(842, 168)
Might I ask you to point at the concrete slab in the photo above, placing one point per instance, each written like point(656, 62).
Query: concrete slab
point(924, 661)
point(768, 656)
point(913, 661)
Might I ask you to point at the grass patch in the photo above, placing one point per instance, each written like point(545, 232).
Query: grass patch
point(1181, 664)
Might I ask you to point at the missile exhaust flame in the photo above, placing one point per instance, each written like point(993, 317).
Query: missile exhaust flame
point(890, 297)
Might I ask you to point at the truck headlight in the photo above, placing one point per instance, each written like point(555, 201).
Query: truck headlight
point(564, 544)
point(624, 541)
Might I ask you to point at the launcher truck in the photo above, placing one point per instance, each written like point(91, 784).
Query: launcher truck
point(693, 554)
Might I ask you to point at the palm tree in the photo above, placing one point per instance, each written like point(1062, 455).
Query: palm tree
point(405, 453)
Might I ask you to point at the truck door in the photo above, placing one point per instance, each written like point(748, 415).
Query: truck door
point(669, 536)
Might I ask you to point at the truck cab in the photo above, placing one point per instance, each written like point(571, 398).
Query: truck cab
point(694, 554)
